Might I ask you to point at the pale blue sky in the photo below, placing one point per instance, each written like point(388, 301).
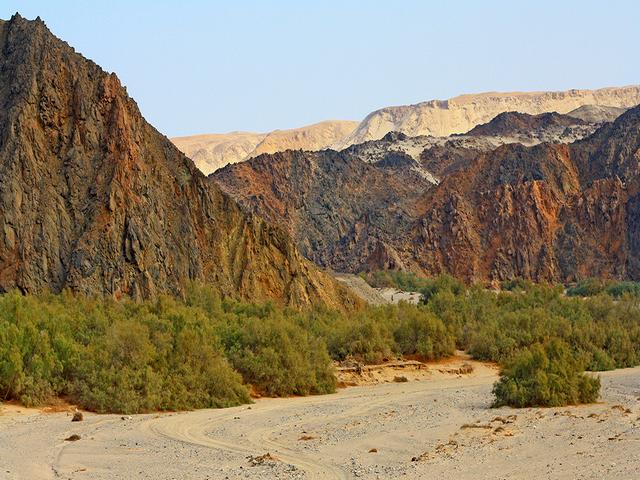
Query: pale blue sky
point(215, 66)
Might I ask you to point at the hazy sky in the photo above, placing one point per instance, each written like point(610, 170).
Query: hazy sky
point(215, 66)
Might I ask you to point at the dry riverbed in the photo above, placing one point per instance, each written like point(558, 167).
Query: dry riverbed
point(437, 424)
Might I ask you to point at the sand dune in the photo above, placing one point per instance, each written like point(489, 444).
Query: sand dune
point(438, 427)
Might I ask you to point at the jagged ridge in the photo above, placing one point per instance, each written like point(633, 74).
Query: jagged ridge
point(553, 212)
point(94, 199)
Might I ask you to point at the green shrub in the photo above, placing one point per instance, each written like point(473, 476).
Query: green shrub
point(277, 356)
point(587, 288)
point(544, 376)
point(619, 289)
point(168, 354)
point(112, 356)
point(381, 333)
point(406, 281)
point(516, 284)
point(419, 332)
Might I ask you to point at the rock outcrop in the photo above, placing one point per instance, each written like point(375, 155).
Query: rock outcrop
point(597, 113)
point(515, 124)
point(477, 206)
point(214, 151)
point(462, 113)
point(94, 199)
point(323, 199)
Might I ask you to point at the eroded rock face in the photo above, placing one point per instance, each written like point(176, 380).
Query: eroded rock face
point(480, 206)
point(328, 201)
point(93, 198)
point(549, 212)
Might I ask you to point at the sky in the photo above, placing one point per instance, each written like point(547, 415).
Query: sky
point(218, 66)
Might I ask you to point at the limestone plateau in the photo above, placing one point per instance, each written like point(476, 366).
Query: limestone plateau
point(460, 114)
point(94, 199)
point(545, 197)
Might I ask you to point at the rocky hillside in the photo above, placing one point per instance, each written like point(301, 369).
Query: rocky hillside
point(597, 113)
point(321, 198)
point(516, 123)
point(94, 199)
point(477, 206)
point(214, 151)
point(549, 212)
point(461, 114)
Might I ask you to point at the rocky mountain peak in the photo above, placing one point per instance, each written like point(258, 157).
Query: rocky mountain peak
point(95, 199)
point(515, 123)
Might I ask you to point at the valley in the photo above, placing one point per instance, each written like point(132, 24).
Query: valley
point(444, 289)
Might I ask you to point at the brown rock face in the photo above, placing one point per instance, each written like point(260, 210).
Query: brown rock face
point(549, 212)
point(546, 212)
point(329, 201)
point(94, 199)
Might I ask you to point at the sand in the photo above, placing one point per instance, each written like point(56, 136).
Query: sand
point(437, 426)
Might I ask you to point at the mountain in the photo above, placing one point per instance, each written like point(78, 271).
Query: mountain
point(438, 118)
point(434, 156)
point(516, 123)
point(321, 197)
point(214, 151)
point(462, 113)
point(597, 113)
point(550, 212)
point(312, 137)
point(481, 206)
point(94, 199)
point(345, 209)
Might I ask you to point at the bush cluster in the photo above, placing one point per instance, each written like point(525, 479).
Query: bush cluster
point(168, 354)
point(595, 286)
point(545, 376)
point(597, 321)
point(376, 334)
point(113, 356)
point(123, 356)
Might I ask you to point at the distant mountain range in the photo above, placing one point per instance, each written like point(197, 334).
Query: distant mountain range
point(435, 117)
point(460, 114)
point(214, 151)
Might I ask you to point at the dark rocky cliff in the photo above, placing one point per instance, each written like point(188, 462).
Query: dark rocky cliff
point(93, 198)
point(553, 211)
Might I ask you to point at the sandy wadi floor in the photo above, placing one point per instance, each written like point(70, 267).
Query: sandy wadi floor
point(436, 425)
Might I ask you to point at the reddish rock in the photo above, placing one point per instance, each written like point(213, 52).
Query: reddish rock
point(95, 199)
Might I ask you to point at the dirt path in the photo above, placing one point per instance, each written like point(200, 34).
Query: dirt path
point(438, 427)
